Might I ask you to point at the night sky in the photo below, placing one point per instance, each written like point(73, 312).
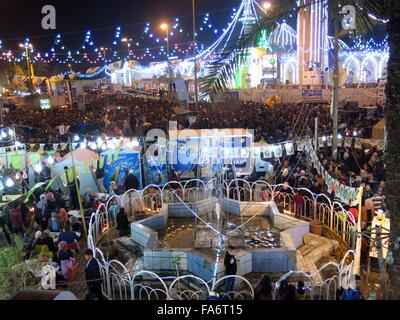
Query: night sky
point(22, 18)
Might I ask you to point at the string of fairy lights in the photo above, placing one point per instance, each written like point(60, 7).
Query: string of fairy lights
point(149, 42)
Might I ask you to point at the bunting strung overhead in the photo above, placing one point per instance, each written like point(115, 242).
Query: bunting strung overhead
point(346, 194)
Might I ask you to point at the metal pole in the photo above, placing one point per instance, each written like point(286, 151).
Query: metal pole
point(357, 258)
point(29, 69)
point(335, 92)
point(78, 192)
point(168, 63)
point(1, 112)
point(196, 90)
point(381, 262)
point(316, 132)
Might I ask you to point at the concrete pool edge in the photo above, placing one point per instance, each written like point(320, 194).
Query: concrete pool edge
point(144, 233)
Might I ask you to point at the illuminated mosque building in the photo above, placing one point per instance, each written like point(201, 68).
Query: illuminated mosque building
point(301, 56)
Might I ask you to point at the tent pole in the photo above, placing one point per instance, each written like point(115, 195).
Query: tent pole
point(77, 189)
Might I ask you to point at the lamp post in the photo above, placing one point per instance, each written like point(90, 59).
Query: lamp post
point(27, 46)
point(104, 54)
point(128, 44)
point(165, 27)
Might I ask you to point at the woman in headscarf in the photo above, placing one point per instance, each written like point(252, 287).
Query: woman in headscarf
point(67, 261)
point(63, 218)
point(51, 201)
point(113, 189)
point(42, 212)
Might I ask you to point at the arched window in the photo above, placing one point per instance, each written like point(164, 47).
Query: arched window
point(290, 71)
point(369, 69)
point(352, 66)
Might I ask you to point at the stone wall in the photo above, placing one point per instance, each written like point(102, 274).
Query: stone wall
point(365, 96)
point(201, 208)
point(194, 261)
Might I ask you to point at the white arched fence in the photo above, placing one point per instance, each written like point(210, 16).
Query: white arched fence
point(325, 290)
point(119, 284)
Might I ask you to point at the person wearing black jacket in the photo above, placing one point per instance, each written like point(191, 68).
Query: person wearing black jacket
point(132, 122)
point(131, 181)
point(93, 276)
point(100, 178)
point(230, 263)
point(122, 223)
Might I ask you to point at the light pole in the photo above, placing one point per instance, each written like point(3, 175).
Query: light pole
point(104, 54)
point(165, 27)
point(27, 46)
point(128, 44)
point(196, 90)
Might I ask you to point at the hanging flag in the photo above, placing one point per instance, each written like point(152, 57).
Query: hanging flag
point(77, 170)
point(132, 64)
point(300, 145)
point(357, 143)
point(289, 149)
point(35, 158)
point(277, 150)
point(74, 145)
point(55, 146)
point(64, 180)
point(16, 161)
point(35, 187)
point(94, 165)
point(70, 173)
point(101, 162)
point(87, 167)
point(109, 159)
point(115, 66)
point(116, 154)
point(63, 146)
point(50, 183)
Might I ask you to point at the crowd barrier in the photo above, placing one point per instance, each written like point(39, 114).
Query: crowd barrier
point(120, 284)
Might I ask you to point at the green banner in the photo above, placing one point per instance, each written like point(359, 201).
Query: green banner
point(101, 162)
point(16, 161)
point(51, 182)
point(87, 167)
point(70, 174)
point(35, 158)
point(94, 165)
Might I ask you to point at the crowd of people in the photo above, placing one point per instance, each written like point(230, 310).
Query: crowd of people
point(127, 115)
point(49, 212)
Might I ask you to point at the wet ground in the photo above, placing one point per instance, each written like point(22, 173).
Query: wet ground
point(256, 233)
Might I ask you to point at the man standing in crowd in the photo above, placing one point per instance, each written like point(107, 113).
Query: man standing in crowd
point(133, 124)
point(131, 181)
point(73, 192)
point(230, 263)
point(93, 276)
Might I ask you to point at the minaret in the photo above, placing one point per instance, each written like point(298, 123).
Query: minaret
point(249, 16)
point(312, 43)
